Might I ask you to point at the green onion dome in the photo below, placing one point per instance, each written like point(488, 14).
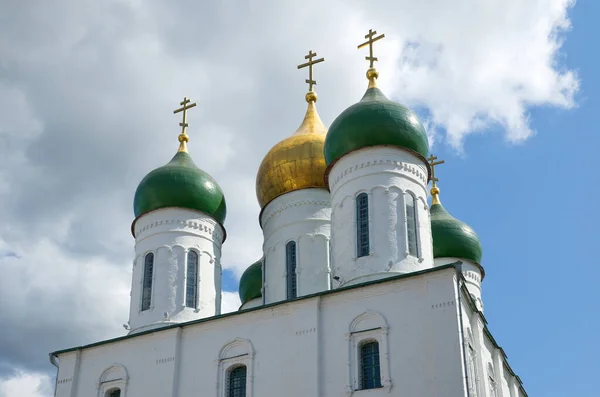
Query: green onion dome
point(451, 237)
point(180, 183)
point(375, 121)
point(251, 282)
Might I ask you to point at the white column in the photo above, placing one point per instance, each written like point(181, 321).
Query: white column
point(387, 175)
point(472, 274)
point(302, 216)
point(170, 234)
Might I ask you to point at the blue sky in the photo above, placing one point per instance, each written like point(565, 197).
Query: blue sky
point(86, 99)
point(532, 205)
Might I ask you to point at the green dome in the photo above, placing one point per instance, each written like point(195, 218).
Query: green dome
point(453, 238)
point(180, 183)
point(374, 121)
point(251, 282)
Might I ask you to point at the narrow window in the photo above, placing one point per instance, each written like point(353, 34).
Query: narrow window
point(114, 393)
point(191, 286)
point(236, 382)
point(147, 282)
point(290, 261)
point(370, 376)
point(492, 387)
point(411, 225)
point(472, 377)
point(362, 225)
point(492, 381)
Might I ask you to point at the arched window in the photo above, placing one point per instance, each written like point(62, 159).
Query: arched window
point(290, 263)
point(370, 374)
point(113, 393)
point(147, 281)
point(236, 381)
point(191, 286)
point(362, 225)
point(411, 225)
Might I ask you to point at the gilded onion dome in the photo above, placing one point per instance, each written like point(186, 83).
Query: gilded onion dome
point(296, 162)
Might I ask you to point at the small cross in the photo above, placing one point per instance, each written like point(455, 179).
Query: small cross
point(369, 42)
point(432, 164)
point(184, 107)
point(310, 64)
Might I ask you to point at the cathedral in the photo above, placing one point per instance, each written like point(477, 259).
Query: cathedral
point(366, 286)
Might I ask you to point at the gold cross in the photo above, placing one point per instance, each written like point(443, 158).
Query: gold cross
point(369, 42)
point(183, 137)
point(310, 64)
point(184, 107)
point(432, 164)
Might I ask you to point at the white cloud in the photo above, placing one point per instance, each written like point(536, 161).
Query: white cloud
point(230, 302)
point(86, 99)
point(24, 384)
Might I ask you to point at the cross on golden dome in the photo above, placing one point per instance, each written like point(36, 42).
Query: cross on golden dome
point(310, 97)
point(370, 40)
point(183, 137)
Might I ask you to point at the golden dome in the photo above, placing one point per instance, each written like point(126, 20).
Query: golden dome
point(296, 162)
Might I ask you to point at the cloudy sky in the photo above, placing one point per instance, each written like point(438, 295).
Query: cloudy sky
point(506, 88)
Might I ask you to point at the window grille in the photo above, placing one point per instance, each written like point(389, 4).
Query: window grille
point(191, 286)
point(114, 393)
point(147, 281)
point(411, 225)
point(362, 225)
point(290, 261)
point(236, 382)
point(370, 366)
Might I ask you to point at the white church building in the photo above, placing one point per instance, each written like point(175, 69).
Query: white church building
point(366, 286)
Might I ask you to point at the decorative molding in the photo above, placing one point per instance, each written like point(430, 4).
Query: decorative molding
point(368, 326)
point(473, 276)
point(298, 203)
point(165, 360)
point(114, 377)
point(236, 353)
point(443, 304)
point(306, 331)
point(204, 227)
point(399, 166)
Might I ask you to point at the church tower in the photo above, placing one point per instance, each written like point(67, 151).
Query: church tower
point(178, 230)
point(454, 241)
point(295, 208)
point(377, 174)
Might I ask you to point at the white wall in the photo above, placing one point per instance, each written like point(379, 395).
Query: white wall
point(490, 362)
point(386, 174)
point(299, 348)
point(170, 233)
point(472, 274)
point(303, 216)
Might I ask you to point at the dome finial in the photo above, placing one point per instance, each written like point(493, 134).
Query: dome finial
point(435, 191)
point(183, 137)
point(311, 95)
point(312, 122)
point(372, 73)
